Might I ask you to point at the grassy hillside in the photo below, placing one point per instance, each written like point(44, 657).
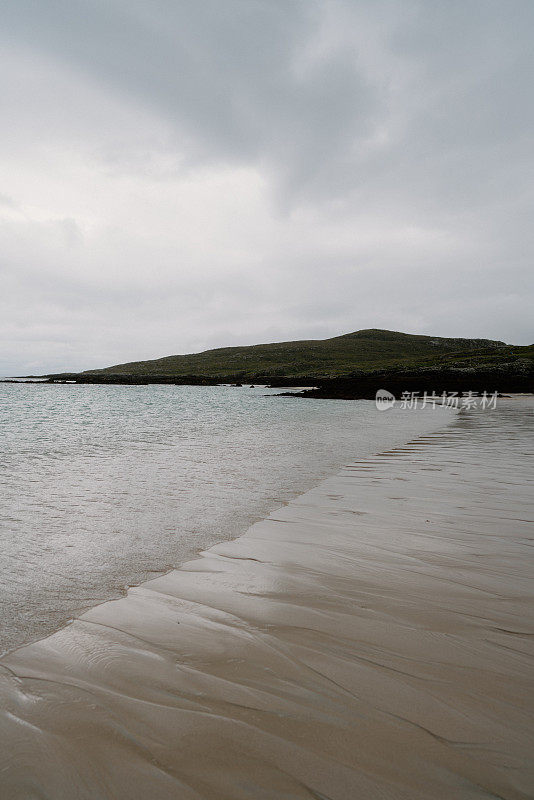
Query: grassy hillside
point(505, 369)
point(363, 350)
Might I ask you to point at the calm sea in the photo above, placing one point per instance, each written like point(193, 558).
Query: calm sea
point(102, 486)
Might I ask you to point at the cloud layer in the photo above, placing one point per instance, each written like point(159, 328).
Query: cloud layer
point(180, 175)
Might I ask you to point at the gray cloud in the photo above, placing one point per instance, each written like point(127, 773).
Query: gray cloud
point(189, 174)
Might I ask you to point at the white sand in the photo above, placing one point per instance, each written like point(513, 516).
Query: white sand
point(372, 639)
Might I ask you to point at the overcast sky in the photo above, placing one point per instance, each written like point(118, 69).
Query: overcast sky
point(185, 174)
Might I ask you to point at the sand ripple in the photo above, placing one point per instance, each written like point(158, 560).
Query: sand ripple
point(372, 639)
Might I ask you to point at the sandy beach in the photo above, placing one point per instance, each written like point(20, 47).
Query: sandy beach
point(371, 639)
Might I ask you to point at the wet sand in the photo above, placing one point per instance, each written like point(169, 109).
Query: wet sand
point(372, 639)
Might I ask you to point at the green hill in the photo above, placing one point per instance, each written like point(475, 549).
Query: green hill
point(323, 358)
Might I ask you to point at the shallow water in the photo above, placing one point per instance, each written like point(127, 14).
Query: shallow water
point(104, 485)
point(372, 638)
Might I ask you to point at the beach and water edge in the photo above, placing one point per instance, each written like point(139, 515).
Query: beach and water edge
point(371, 638)
point(104, 487)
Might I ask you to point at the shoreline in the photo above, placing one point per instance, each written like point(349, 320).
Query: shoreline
point(123, 505)
point(370, 638)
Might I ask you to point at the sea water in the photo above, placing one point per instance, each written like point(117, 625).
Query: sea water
point(103, 486)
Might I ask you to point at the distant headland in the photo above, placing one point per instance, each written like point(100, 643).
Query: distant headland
point(354, 365)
